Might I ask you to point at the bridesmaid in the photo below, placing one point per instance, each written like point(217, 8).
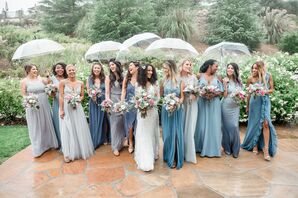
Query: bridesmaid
point(190, 112)
point(98, 120)
point(113, 92)
point(128, 91)
point(231, 111)
point(260, 132)
point(172, 125)
point(147, 130)
point(59, 73)
point(75, 134)
point(39, 121)
point(208, 128)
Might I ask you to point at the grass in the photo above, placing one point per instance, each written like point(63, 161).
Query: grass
point(12, 140)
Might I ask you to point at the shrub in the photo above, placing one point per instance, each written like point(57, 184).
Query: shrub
point(289, 43)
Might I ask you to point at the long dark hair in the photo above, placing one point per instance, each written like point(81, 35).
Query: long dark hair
point(142, 75)
point(28, 68)
point(101, 74)
point(112, 76)
point(236, 75)
point(206, 65)
point(63, 67)
point(128, 75)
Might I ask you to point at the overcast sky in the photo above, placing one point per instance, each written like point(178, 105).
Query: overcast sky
point(14, 5)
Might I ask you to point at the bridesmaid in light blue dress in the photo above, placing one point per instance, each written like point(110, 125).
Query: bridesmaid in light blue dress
point(59, 73)
point(75, 134)
point(208, 130)
point(172, 125)
point(113, 92)
point(128, 92)
point(98, 120)
point(39, 121)
point(190, 112)
point(230, 112)
point(260, 132)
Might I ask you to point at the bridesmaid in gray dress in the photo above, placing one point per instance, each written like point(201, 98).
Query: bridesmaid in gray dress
point(230, 112)
point(39, 121)
point(190, 112)
point(113, 92)
point(59, 73)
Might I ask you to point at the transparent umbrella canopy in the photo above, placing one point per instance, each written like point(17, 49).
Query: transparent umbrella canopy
point(36, 48)
point(104, 50)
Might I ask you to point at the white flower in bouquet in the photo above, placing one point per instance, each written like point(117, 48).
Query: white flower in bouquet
point(31, 101)
point(120, 107)
point(95, 92)
point(206, 90)
point(171, 102)
point(256, 89)
point(50, 89)
point(192, 89)
point(73, 100)
point(238, 95)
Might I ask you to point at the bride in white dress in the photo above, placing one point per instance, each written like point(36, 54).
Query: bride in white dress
point(147, 130)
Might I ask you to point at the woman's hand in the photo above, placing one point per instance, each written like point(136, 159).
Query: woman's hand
point(62, 114)
point(225, 81)
point(192, 97)
point(247, 109)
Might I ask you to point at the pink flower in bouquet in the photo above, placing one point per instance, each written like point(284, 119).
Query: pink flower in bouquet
point(143, 102)
point(106, 105)
point(73, 99)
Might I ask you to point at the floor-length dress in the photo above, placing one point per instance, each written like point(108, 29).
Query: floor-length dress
point(208, 129)
point(39, 121)
point(230, 122)
point(130, 117)
point(259, 111)
point(55, 109)
point(147, 135)
point(75, 134)
point(98, 120)
point(172, 130)
point(116, 120)
point(190, 121)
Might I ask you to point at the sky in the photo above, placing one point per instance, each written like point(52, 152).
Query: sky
point(14, 5)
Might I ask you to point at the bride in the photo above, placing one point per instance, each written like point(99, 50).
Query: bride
point(147, 130)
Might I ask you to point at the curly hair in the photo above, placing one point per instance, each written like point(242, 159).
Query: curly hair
point(142, 75)
point(63, 67)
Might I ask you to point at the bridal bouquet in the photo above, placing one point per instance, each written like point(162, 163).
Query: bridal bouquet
point(208, 90)
point(73, 100)
point(50, 89)
point(106, 105)
point(191, 89)
point(95, 92)
point(143, 102)
point(256, 89)
point(239, 95)
point(171, 102)
point(120, 107)
point(31, 101)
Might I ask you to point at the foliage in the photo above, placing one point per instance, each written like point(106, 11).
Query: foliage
point(235, 21)
point(290, 5)
point(289, 43)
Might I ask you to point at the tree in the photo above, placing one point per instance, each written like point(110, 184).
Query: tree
point(289, 43)
point(233, 20)
point(61, 16)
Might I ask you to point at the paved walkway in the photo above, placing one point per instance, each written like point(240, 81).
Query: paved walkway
point(107, 176)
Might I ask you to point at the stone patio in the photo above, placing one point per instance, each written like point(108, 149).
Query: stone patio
point(104, 175)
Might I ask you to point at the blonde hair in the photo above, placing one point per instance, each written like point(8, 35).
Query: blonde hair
point(173, 70)
point(181, 66)
point(260, 66)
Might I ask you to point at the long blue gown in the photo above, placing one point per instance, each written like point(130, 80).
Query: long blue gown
point(230, 122)
point(98, 121)
point(172, 130)
point(259, 111)
point(55, 109)
point(208, 129)
point(130, 117)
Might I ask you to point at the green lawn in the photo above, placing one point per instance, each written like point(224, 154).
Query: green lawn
point(12, 140)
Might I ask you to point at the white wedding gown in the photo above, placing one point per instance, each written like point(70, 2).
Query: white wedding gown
point(147, 135)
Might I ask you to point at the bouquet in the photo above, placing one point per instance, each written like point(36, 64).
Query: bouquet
point(50, 89)
point(31, 101)
point(238, 96)
point(191, 89)
point(143, 102)
point(95, 92)
point(171, 102)
point(106, 105)
point(73, 100)
point(120, 107)
point(206, 90)
point(256, 90)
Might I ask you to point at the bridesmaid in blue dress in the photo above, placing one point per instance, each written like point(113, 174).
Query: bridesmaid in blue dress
point(59, 73)
point(128, 91)
point(260, 132)
point(208, 130)
point(230, 112)
point(113, 92)
point(172, 125)
point(190, 112)
point(98, 121)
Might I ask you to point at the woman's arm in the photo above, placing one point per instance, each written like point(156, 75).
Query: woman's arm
point(248, 95)
point(61, 99)
point(123, 92)
point(23, 87)
point(161, 89)
point(107, 84)
point(87, 87)
point(225, 84)
point(271, 84)
point(182, 87)
point(82, 91)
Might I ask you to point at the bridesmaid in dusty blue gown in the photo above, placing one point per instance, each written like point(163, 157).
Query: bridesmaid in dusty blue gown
point(39, 121)
point(113, 92)
point(190, 112)
point(208, 130)
point(230, 111)
point(172, 125)
point(260, 132)
point(128, 91)
point(59, 73)
point(98, 120)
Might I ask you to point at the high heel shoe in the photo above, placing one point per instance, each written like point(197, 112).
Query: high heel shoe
point(266, 154)
point(66, 160)
point(116, 153)
point(130, 149)
point(255, 150)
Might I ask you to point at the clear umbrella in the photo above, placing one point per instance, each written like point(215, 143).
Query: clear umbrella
point(104, 50)
point(36, 48)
